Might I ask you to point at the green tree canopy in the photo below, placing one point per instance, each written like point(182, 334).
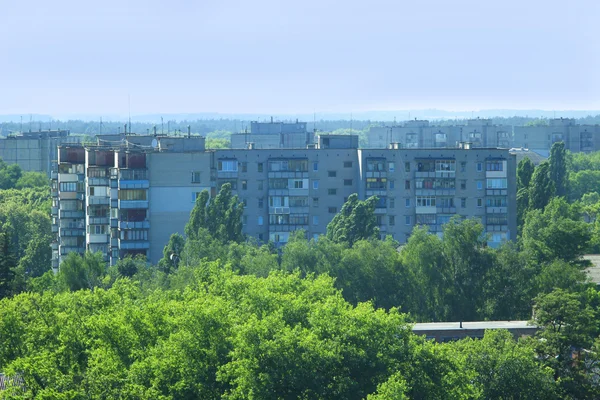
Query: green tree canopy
point(558, 168)
point(541, 188)
point(355, 221)
point(524, 173)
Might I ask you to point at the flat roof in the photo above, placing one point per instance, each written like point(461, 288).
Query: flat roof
point(455, 326)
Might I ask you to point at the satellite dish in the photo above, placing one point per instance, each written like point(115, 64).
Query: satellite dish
point(154, 143)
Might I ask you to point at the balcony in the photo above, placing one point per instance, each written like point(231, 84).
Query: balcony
point(496, 210)
point(445, 174)
point(446, 210)
point(380, 211)
point(376, 174)
point(54, 245)
point(98, 201)
point(114, 223)
point(134, 184)
point(286, 174)
point(495, 174)
point(496, 228)
point(425, 174)
point(71, 232)
point(114, 242)
point(54, 228)
point(227, 174)
point(287, 227)
point(97, 220)
point(496, 192)
point(279, 210)
point(376, 192)
point(134, 224)
point(425, 209)
point(97, 238)
point(97, 182)
point(54, 175)
point(54, 192)
point(69, 177)
point(54, 210)
point(70, 214)
point(55, 263)
point(130, 204)
point(133, 244)
point(64, 250)
point(299, 210)
point(445, 191)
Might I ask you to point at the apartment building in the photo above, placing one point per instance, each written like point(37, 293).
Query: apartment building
point(273, 135)
point(421, 134)
point(128, 199)
point(34, 151)
point(577, 138)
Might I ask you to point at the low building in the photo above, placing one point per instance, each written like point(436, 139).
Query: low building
point(450, 331)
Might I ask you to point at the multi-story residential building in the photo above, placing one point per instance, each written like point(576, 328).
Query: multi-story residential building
point(34, 151)
point(129, 198)
point(577, 138)
point(420, 134)
point(273, 135)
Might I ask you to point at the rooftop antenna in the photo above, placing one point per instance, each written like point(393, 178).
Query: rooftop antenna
point(129, 106)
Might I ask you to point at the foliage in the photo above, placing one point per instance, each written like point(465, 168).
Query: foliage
point(541, 188)
point(217, 143)
point(524, 173)
point(355, 221)
point(558, 168)
point(77, 272)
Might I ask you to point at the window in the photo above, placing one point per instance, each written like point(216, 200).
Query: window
point(315, 184)
point(463, 184)
point(260, 220)
point(227, 166)
point(315, 220)
point(244, 185)
point(426, 219)
point(347, 164)
point(392, 202)
point(463, 166)
point(298, 201)
point(407, 167)
point(315, 202)
point(445, 202)
point(445, 165)
point(195, 196)
point(479, 167)
point(497, 183)
point(496, 165)
point(332, 210)
point(391, 220)
point(278, 183)
point(479, 202)
point(244, 166)
point(315, 166)
point(497, 219)
point(391, 184)
point(425, 201)
point(376, 183)
point(132, 194)
point(261, 202)
point(195, 176)
point(260, 185)
point(332, 192)
point(479, 185)
point(68, 186)
point(407, 202)
point(498, 201)
point(260, 167)
point(392, 167)
point(298, 184)
point(407, 185)
point(332, 174)
point(463, 203)
point(407, 220)
point(347, 182)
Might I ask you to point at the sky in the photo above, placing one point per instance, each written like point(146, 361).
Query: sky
point(69, 57)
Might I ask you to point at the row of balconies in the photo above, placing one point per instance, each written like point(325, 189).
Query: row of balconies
point(287, 228)
point(284, 174)
point(288, 210)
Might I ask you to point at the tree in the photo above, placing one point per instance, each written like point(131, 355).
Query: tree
point(172, 253)
point(522, 206)
point(582, 183)
point(77, 272)
point(221, 216)
point(524, 173)
point(558, 168)
point(129, 265)
point(541, 187)
point(32, 179)
point(355, 221)
point(7, 265)
point(9, 175)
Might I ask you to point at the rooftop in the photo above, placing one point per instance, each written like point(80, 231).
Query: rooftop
point(455, 326)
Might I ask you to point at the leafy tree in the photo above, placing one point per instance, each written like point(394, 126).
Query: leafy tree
point(221, 216)
point(558, 168)
point(9, 176)
point(582, 183)
point(32, 179)
point(522, 206)
point(355, 221)
point(129, 265)
point(556, 233)
point(77, 272)
point(541, 188)
point(172, 253)
point(524, 173)
point(7, 265)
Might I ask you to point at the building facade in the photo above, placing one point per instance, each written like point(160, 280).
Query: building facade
point(130, 199)
point(273, 135)
point(34, 151)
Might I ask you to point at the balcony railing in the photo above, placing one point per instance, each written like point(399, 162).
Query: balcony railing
point(134, 224)
point(130, 204)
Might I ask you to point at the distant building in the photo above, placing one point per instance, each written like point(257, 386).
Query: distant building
point(273, 135)
point(420, 134)
point(521, 153)
point(34, 151)
point(577, 138)
point(450, 331)
point(128, 196)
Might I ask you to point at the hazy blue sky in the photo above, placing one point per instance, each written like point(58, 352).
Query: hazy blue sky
point(267, 56)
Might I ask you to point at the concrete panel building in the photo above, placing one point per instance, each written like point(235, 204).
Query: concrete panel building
point(421, 134)
point(34, 151)
point(577, 138)
point(129, 198)
point(273, 135)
